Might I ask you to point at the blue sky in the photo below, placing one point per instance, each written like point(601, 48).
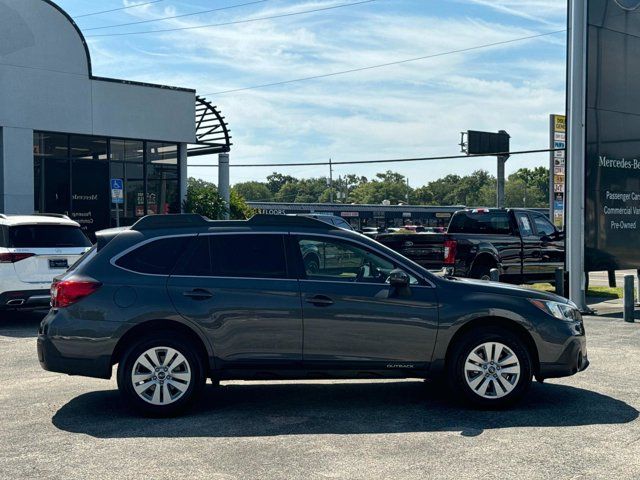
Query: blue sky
point(409, 110)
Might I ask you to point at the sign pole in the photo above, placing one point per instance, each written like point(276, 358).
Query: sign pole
point(117, 196)
point(576, 152)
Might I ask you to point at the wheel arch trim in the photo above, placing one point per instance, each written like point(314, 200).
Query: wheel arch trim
point(514, 325)
point(163, 324)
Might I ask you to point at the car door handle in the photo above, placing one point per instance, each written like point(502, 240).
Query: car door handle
point(198, 294)
point(320, 301)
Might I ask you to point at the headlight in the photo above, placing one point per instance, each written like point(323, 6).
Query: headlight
point(562, 311)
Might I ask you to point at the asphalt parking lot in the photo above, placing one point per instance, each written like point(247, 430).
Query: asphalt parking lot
point(586, 426)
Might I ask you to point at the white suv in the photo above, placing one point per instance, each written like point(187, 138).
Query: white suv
point(33, 250)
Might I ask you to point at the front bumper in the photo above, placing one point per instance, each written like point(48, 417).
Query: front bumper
point(573, 359)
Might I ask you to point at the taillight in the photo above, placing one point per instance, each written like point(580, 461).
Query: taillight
point(14, 257)
point(68, 292)
point(450, 250)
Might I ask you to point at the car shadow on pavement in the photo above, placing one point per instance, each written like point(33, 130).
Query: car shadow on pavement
point(249, 410)
point(21, 324)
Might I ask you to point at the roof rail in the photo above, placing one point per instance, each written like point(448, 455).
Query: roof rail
point(286, 220)
point(190, 220)
point(54, 215)
point(3, 216)
point(183, 220)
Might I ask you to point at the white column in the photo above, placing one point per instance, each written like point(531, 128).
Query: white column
point(16, 171)
point(576, 155)
point(182, 166)
point(223, 180)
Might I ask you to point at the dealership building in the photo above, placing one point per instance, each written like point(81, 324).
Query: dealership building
point(64, 133)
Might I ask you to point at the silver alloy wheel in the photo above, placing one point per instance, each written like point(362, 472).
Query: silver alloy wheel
point(492, 370)
point(161, 375)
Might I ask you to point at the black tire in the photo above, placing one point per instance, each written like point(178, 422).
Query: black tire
point(161, 339)
point(482, 271)
point(469, 342)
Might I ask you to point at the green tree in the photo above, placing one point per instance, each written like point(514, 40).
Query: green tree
point(276, 181)
point(239, 209)
point(389, 185)
point(254, 191)
point(422, 196)
point(203, 199)
point(443, 190)
point(534, 184)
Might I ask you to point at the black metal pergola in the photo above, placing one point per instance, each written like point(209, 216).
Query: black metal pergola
point(212, 131)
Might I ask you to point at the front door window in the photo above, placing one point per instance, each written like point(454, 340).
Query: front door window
point(335, 260)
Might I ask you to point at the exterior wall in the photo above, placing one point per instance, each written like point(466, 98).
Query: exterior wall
point(16, 194)
point(46, 84)
point(134, 111)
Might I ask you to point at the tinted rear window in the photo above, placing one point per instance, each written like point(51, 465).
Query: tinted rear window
point(249, 256)
point(157, 257)
point(496, 223)
point(47, 236)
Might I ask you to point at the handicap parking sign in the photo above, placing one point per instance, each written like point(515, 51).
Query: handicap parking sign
point(117, 190)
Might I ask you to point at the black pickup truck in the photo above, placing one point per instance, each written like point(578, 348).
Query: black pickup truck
point(522, 244)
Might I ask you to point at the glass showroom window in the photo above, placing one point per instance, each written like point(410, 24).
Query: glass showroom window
point(162, 178)
point(72, 173)
point(51, 162)
point(89, 185)
point(127, 163)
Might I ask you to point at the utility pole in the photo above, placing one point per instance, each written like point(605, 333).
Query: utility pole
point(330, 181)
point(502, 159)
point(408, 190)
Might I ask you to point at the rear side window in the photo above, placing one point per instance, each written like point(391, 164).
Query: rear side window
point(526, 230)
point(342, 223)
point(47, 236)
point(496, 223)
point(543, 226)
point(158, 257)
point(248, 256)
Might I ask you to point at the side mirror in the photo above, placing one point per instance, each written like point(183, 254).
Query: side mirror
point(399, 279)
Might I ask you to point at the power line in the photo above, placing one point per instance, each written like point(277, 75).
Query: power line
point(381, 65)
point(395, 160)
point(118, 9)
point(202, 12)
point(248, 20)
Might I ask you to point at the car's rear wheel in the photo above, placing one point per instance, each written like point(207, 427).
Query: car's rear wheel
point(161, 375)
point(490, 367)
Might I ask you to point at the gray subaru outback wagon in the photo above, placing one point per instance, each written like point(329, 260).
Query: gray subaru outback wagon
point(175, 300)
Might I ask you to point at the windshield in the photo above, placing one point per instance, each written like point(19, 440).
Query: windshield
point(47, 236)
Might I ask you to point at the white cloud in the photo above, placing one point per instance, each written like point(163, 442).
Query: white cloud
point(409, 110)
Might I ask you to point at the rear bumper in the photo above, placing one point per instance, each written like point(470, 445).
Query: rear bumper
point(53, 361)
point(25, 299)
point(76, 346)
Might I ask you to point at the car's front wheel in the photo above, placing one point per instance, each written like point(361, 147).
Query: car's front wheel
point(490, 367)
point(161, 375)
